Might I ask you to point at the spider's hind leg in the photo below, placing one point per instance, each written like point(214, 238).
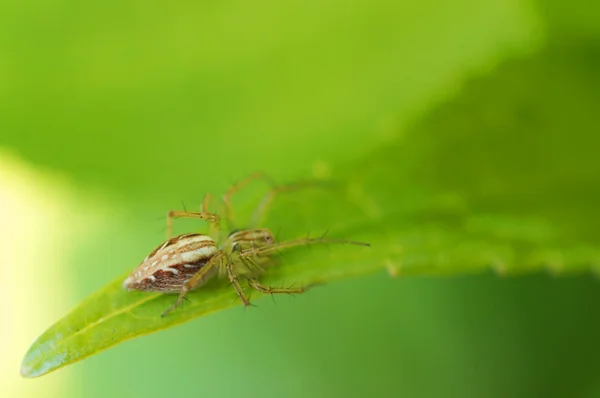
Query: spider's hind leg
point(229, 214)
point(263, 207)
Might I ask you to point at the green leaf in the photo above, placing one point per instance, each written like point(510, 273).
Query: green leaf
point(113, 314)
point(488, 181)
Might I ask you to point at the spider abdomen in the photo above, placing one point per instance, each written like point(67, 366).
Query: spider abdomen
point(172, 264)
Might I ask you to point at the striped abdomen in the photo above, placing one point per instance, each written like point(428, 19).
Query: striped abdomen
point(170, 265)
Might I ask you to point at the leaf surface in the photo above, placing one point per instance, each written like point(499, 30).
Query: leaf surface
point(490, 180)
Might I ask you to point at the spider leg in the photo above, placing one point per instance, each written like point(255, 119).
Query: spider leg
point(266, 250)
point(229, 215)
point(197, 279)
point(232, 274)
point(213, 219)
point(265, 203)
point(275, 290)
point(252, 265)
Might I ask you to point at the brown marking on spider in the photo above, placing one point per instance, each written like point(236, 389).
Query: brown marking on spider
point(172, 263)
point(185, 262)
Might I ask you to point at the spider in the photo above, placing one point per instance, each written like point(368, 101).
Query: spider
point(185, 262)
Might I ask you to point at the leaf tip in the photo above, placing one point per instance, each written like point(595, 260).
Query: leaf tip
point(36, 362)
point(27, 369)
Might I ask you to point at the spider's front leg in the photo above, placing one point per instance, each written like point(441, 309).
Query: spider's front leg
point(270, 249)
point(251, 255)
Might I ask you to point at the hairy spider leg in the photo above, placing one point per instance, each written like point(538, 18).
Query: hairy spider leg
point(265, 203)
point(252, 265)
point(266, 250)
point(253, 282)
point(250, 256)
point(229, 214)
point(233, 276)
point(213, 219)
point(197, 279)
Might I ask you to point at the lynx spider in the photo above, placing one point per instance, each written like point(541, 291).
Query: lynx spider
point(185, 262)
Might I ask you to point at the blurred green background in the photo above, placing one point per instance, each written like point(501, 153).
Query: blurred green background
point(113, 113)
